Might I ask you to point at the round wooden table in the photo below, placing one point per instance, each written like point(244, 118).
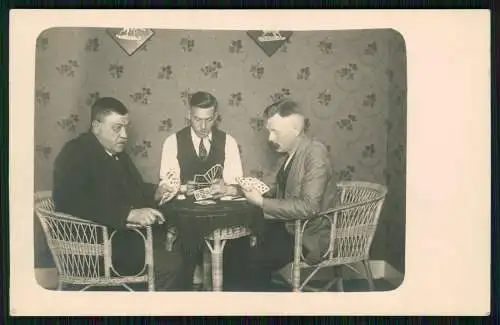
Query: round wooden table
point(212, 225)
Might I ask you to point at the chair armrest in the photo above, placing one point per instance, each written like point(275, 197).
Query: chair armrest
point(68, 217)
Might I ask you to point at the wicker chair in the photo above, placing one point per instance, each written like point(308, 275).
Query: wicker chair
point(81, 249)
point(353, 224)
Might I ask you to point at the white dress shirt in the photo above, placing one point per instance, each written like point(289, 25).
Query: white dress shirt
point(232, 163)
point(290, 156)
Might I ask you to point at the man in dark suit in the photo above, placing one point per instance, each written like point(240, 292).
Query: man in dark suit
point(305, 185)
point(96, 180)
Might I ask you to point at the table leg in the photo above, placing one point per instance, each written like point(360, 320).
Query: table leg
point(217, 267)
point(217, 257)
point(207, 269)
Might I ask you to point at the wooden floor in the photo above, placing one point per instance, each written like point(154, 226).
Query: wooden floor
point(47, 278)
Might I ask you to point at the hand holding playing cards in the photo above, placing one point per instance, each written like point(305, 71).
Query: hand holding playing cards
point(253, 195)
point(145, 216)
point(168, 187)
point(218, 189)
point(162, 190)
point(190, 188)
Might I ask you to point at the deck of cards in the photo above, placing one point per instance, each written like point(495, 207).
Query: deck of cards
point(252, 182)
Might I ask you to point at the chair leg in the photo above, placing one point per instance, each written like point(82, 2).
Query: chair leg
point(369, 275)
point(327, 286)
point(151, 278)
point(60, 286)
point(296, 277)
point(340, 285)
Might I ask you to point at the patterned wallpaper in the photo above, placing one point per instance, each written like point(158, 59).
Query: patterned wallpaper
point(351, 83)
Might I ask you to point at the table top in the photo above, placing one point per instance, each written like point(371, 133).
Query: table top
point(189, 208)
point(194, 221)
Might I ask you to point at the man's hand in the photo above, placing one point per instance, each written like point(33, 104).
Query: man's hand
point(190, 188)
point(220, 189)
point(162, 190)
point(145, 216)
point(253, 196)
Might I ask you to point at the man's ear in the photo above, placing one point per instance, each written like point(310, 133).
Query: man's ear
point(95, 125)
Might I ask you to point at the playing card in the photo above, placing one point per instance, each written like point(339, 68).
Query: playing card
point(200, 180)
point(172, 180)
point(209, 175)
point(213, 173)
point(202, 194)
point(253, 182)
point(256, 183)
point(206, 202)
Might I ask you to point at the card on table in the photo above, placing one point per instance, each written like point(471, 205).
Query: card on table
point(202, 194)
point(206, 202)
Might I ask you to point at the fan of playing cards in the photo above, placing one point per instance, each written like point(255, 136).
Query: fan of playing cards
point(210, 176)
point(204, 181)
point(252, 182)
point(172, 180)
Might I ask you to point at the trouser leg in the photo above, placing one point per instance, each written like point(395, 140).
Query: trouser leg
point(251, 267)
point(129, 256)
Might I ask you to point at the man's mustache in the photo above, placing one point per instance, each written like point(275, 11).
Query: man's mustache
point(273, 145)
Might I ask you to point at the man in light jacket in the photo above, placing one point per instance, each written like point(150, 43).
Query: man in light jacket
point(305, 185)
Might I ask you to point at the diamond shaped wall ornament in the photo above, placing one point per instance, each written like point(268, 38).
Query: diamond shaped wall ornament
point(130, 39)
point(269, 41)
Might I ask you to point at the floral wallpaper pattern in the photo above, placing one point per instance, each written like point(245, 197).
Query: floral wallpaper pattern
point(352, 85)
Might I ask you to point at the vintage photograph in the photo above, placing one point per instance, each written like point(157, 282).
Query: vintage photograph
point(220, 160)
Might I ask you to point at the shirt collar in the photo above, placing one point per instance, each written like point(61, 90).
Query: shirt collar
point(115, 156)
point(197, 139)
point(292, 153)
point(105, 150)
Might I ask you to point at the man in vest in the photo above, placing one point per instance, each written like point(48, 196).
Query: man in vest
point(197, 148)
point(305, 185)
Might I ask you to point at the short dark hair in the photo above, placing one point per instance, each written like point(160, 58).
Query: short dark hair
point(203, 99)
point(284, 107)
point(106, 105)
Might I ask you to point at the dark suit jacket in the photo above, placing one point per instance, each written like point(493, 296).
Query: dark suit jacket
point(311, 188)
point(90, 184)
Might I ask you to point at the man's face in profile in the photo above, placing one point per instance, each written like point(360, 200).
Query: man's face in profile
point(282, 133)
point(202, 120)
point(112, 131)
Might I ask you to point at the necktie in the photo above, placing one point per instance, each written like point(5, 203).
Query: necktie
point(281, 180)
point(202, 151)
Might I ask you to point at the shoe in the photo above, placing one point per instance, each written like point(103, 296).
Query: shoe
point(197, 287)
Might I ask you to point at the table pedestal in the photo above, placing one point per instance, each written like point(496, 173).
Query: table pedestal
point(215, 253)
